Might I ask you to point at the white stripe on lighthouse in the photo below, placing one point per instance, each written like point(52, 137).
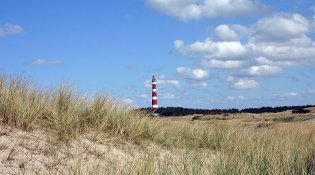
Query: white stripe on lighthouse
point(154, 94)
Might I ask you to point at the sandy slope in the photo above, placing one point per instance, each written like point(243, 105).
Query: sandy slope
point(36, 153)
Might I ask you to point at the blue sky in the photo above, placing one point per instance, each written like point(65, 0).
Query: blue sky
point(205, 53)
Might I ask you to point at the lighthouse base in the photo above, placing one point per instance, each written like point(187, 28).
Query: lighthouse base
point(155, 114)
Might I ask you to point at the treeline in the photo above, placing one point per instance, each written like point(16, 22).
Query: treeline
point(180, 111)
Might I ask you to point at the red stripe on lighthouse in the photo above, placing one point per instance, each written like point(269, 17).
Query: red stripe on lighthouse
point(154, 94)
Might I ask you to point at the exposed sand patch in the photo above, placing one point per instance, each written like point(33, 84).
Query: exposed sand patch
point(34, 152)
point(37, 152)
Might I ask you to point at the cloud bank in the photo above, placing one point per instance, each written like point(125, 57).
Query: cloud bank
point(186, 10)
point(250, 53)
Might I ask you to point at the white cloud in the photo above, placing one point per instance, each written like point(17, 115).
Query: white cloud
point(224, 32)
point(263, 70)
point(182, 9)
point(223, 64)
point(285, 95)
point(228, 50)
point(195, 77)
point(167, 96)
point(191, 9)
point(195, 74)
point(175, 83)
point(201, 85)
point(245, 84)
point(241, 30)
point(162, 81)
point(281, 27)
point(263, 61)
point(230, 98)
point(242, 98)
point(242, 83)
point(10, 29)
point(178, 44)
point(293, 94)
point(42, 62)
point(284, 51)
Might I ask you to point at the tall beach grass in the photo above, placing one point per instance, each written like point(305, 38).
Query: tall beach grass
point(284, 149)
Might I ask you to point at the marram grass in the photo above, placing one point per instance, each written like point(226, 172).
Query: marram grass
point(284, 149)
point(63, 111)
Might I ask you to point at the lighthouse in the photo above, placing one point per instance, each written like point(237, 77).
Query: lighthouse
point(154, 94)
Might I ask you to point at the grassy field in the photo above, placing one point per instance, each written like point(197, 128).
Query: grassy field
point(62, 132)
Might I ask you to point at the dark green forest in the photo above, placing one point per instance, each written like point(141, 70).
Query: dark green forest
point(180, 111)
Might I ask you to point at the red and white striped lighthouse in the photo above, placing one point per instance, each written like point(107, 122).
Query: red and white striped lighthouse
point(154, 94)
